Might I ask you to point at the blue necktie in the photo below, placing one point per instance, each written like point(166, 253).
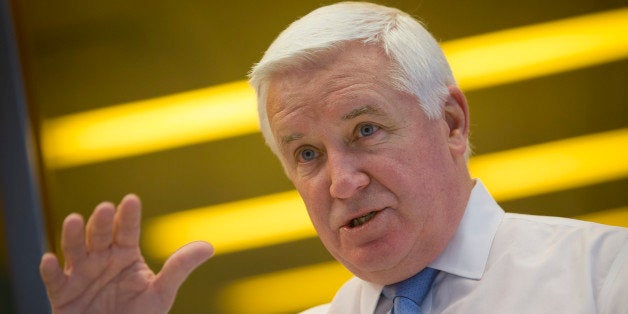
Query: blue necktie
point(408, 295)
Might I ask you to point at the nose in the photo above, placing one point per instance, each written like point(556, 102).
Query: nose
point(347, 176)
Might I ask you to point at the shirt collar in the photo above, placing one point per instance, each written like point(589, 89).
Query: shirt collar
point(467, 252)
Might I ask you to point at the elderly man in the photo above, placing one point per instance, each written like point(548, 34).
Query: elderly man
point(361, 108)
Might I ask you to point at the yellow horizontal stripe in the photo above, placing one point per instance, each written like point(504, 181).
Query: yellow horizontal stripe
point(554, 166)
point(316, 284)
point(150, 125)
point(229, 110)
point(285, 291)
point(230, 227)
point(532, 51)
point(282, 217)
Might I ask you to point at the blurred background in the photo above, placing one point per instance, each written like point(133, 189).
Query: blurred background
point(148, 97)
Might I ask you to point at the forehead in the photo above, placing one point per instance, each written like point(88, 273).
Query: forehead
point(350, 73)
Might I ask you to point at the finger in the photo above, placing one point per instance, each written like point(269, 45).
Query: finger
point(127, 221)
point(73, 239)
point(179, 266)
point(51, 273)
point(100, 227)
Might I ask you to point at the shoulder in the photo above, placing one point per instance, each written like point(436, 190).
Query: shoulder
point(566, 251)
point(566, 265)
point(552, 230)
point(542, 236)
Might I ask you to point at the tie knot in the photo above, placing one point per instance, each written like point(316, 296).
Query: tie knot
point(414, 288)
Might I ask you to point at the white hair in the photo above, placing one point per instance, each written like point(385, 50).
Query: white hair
point(418, 65)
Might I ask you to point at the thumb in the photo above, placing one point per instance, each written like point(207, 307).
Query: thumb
point(179, 266)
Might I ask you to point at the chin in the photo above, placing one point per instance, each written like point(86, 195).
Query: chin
point(386, 276)
point(376, 267)
point(385, 265)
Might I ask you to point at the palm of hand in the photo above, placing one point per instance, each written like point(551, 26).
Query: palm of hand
point(108, 282)
point(105, 271)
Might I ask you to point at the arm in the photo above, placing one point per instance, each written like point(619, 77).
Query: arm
point(105, 271)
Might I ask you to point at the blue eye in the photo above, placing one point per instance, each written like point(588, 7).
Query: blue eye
point(307, 154)
point(367, 130)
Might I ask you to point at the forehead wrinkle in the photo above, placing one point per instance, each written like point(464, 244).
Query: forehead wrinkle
point(284, 104)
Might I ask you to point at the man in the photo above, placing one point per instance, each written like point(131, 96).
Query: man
point(360, 106)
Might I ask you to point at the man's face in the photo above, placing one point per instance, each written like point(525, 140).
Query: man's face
point(382, 184)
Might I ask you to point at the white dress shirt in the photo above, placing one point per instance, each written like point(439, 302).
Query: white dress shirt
point(510, 263)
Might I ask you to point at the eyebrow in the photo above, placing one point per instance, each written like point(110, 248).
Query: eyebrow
point(289, 138)
point(368, 109)
point(364, 110)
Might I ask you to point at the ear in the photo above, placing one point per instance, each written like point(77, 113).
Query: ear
point(456, 113)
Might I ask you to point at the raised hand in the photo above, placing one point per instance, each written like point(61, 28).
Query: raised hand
point(105, 271)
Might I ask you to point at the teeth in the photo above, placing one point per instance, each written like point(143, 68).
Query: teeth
point(361, 220)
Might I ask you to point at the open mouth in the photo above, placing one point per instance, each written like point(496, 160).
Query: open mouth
point(361, 220)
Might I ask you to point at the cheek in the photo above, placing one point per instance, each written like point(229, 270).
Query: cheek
point(320, 214)
point(313, 185)
point(317, 200)
point(397, 171)
point(410, 178)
